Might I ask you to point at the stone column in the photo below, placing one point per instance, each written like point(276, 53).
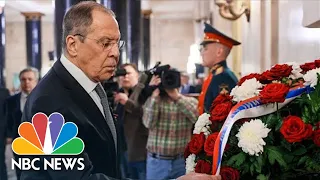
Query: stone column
point(33, 39)
point(134, 32)
point(2, 47)
point(146, 38)
point(119, 7)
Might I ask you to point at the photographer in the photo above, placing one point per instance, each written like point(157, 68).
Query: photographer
point(135, 133)
point(169, 116)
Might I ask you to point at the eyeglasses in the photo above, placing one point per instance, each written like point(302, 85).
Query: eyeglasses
point(107, 45)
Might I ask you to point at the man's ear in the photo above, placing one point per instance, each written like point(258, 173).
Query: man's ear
point(220, 51)
point(71, 45)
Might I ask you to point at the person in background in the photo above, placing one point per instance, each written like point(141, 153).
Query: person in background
point(186, 87)
point(136, 134)
point(14, 105)
point(169, 117)
point(215, 49)
point(198, 86)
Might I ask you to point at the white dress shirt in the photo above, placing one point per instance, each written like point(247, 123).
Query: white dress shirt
point(23, 100)
point(83, 80)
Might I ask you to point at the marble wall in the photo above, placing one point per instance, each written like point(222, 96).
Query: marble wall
point(171, 40)
point(16, 48)
point(275, 34)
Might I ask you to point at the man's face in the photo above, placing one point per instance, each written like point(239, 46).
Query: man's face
point(98, 55)
point(184, 79)
point(28, 81)
point(209, 53)
point(130, 79)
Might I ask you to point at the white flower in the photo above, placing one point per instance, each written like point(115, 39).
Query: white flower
point(190, 163)
point(296, 71)
point(202, 124)
point(251, 136)
point(248, 89)
point(311, 77)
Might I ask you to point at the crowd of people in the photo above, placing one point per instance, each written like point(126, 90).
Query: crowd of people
point(133, 139)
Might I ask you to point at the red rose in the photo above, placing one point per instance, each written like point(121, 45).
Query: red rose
point(250, 76)
point(277, 72)
point(221, 111)
point(280, 70)
point(294, 129)
point(274, 92)
point(186, 152)
point(317, 62)
point(196, 143)
point(203, 167)
point(228, 173)
point(209, 144)
point(318, 125)
point(308, 66)
point(316, 137)
point(221, 98)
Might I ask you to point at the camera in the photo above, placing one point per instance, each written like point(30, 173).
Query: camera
point(111, 86)
point(170, 78)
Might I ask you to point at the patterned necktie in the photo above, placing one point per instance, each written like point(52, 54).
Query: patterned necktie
point(104, 101)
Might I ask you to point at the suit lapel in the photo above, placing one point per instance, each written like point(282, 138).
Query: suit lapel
point(82, 99)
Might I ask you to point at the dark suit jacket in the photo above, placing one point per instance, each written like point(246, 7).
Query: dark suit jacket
point(4, 93)
point(59, 92)
point(13, 115)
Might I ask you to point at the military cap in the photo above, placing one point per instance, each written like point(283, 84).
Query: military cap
point(213, 35)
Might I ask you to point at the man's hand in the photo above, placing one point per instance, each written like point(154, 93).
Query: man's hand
point(9, 140)
point(155, 81)
point(173, 93)
point(155, 93)
point(122, 98)
point(198, 176)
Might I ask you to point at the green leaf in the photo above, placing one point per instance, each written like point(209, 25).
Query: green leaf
point(302, 160)
point(260, 160)
point(257, 167)
point(237, 159)
point(275, 155)
point(251, 169)
point(288, 158)
point(271, 121)
point(245, 168)
point(278, 126)
point(262, 177)
point(300, 151)
point(286, 144)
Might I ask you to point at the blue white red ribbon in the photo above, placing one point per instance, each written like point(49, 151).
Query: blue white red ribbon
point(249, 108)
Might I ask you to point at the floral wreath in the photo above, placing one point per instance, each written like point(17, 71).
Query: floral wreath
point(267, 128)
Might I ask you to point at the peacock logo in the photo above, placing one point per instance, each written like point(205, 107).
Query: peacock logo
point(48, 136)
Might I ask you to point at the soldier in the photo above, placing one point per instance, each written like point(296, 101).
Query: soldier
point(214, 51)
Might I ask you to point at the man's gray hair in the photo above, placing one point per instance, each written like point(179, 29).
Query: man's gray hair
point(79, 18)
point(30, 69)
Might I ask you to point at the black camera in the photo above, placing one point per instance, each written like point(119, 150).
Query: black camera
point(111, 86)
point(170, 78)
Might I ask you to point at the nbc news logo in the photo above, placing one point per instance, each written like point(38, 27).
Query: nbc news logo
point(48, 136)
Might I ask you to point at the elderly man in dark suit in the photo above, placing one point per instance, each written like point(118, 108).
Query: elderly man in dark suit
point(91, 43)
